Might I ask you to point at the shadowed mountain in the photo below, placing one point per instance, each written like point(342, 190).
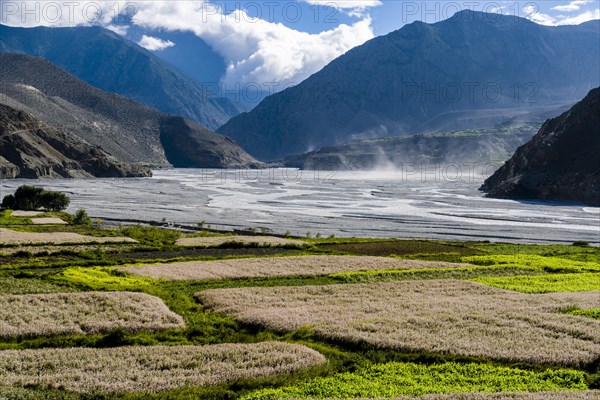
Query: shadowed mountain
point(122, 127)
point(561, 162)
point(473, 70)
point(30, 149)
point(112, 63)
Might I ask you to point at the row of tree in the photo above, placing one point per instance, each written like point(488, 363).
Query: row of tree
point(31, 198)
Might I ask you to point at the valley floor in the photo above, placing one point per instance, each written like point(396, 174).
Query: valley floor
point(142, 312)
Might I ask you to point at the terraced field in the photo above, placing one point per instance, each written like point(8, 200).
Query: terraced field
point(154, 369)
point(76, 313)
point(444, 316)
point(279, 266)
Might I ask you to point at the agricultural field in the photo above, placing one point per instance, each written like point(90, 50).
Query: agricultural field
point(11, 237)
point(154, 368)
point(75, 313)
point(280, 266)
point(212, 241)
point(409, 379)
point(444, 316)
point(144, 312)
point(584, 282)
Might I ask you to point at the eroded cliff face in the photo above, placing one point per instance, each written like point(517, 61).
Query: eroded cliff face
point(561, 162)
point(30, 149)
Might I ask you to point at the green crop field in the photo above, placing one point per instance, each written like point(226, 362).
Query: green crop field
point(409, 379)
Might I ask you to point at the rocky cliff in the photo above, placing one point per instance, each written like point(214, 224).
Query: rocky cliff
point(561, 162)
point(31, 149)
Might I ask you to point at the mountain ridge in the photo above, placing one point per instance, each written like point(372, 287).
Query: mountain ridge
point(402, 84)
point(134, 72)
point(123, 128)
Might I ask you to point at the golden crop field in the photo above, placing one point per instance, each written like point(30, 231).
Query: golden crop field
point(150, 368)
point(446, 316)
point(89, 312)
point(277, 266)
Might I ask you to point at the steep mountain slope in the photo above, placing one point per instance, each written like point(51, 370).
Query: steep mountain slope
point(112, 63)
point(462, 149)
point(30, 149)
point(122, 127)
point(561, 162)
point(473, 70)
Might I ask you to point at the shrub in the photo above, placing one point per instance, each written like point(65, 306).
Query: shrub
point(81, 218)
point(8, 202)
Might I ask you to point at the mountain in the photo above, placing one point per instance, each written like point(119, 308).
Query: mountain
point(114, 64)
point(459, 149)
point(561, 162)
point(30, 149)
point(121, 127)
point(473, 70)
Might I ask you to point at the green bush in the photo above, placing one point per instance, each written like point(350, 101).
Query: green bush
point(8, 203)
point(81, 218)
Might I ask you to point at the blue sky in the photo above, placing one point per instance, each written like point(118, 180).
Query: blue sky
point(269, 42)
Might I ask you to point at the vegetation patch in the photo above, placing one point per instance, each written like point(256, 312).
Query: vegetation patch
point(410, 379)
point(551, 283)
point(456, 317)
point(151, 369)
point(100, 278)
point(589, 313)
point(29, 285)
point(77, 313)
point(548, 264)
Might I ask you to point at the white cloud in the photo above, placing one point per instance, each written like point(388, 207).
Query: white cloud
point(118, 29)
point(155, 44)
point(256, 51)
point(354, 8)
point(572, 6)
point(346, 3)
point(545, 19)
point(581, 18)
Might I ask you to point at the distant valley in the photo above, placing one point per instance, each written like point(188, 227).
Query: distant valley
point(483, 147)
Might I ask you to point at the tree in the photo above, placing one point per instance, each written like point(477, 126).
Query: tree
point(54, 201)
point(31, 198)
point(28, 198)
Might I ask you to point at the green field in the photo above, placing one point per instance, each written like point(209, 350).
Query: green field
point(409, 379)
point(554, 283)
